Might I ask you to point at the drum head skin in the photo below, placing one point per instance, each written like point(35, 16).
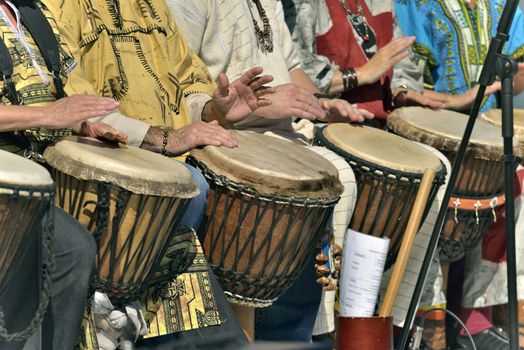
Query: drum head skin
point(443, 130)
point(381, 148)
point(272, 166)
point(19, 171)
point(132, 168)
point(494, 116)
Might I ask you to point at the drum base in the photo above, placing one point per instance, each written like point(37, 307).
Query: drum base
point(246, 317)
point(365, 333)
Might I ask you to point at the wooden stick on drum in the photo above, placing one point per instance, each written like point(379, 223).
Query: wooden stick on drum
point(407, 242)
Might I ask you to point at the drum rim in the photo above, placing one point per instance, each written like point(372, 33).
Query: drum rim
point(28, 191)
point(78, 169)
point(247, 189)
point(321, 181)
point(404, 128)
point(381, 170)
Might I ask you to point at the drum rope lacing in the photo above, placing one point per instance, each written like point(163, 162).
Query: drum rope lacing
point(389, 193)
point(48, 265)
point(267, 282)
point(130, 285)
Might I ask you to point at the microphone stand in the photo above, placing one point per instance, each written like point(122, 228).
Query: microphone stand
point(505, 67)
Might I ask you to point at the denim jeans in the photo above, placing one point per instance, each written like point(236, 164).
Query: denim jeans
point(197, 207)
point(292, 316)
point(74, 252)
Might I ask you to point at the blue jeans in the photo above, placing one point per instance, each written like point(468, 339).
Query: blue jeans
point(74, 252)
point(196, 210)
point(292, 316)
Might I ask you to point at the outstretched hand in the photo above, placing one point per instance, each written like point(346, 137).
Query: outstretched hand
point(76, 108)
point(234, 101)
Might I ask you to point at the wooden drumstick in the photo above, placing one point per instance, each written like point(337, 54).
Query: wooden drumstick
point(407, 242)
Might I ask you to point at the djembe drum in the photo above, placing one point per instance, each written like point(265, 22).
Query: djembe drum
point(388, 170)
point(130, 199)
point(494, 116)
point(479, 190)
point(26, 195)
point(270, 199)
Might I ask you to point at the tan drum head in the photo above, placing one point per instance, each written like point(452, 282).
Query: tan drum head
point(381, 148)
point(19, 171)
point(132, 168)
point(443, 130)
point(272, 166)
point(494, 116)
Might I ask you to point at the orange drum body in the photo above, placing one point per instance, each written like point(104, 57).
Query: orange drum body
point(479, 190)
point(129, 199)
point(270, 199)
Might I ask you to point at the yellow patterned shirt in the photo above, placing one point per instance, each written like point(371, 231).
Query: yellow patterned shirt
point(131, 50)
point(33, 81)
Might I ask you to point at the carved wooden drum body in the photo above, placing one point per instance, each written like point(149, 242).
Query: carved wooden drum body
point(388, 170)
point(130, 200)
point(270, 199)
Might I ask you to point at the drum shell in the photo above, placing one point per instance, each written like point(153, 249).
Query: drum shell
point(132, 232)
point(22, 210)
point(385, 198)
point(257, 244)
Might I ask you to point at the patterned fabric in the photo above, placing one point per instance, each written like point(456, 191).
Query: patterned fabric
point(452, 40)
point(132, 51)
point(33, 81)
point(376, 97)
point(309, 19)
point(185, 303)
point(222, 33)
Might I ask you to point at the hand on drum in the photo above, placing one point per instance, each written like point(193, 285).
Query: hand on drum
point(233, 102)
point(184, 139)
point(385, 58)
point(341, 110)
point(463, 102)
point(102, 131)
point(74, 109)
point(406, 98)
point(292, 100)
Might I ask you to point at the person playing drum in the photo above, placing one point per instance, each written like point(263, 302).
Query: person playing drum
point(168, 104)
point(449, 70)
point(30, 105)
point(235, 36)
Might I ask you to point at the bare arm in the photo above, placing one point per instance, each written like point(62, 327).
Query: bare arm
point(62, 113)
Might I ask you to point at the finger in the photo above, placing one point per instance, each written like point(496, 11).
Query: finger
point(263, 103)
point(250, 75)
point(222, 85)
point(491, 89)
point(259, 82)
point(304, 114)
point(263, 91)
point(398, 57)
point(366, 114)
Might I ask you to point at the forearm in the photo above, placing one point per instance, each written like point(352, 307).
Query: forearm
point(337, 85)
point(22, 117)
point(154, 141)
point(300, 78)
point(437, 96)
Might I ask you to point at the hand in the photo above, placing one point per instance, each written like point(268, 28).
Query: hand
point(385, 58)
point(341, 110)
point(233, 102)
point(406, 98)
point(292, 100)
point(102, 131)
point(182, 140)
point(76, 108)
point(464, 101)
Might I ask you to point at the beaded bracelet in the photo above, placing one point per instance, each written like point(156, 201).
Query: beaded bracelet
point(164, 141)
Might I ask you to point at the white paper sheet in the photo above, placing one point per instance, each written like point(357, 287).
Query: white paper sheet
point(362, 267)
